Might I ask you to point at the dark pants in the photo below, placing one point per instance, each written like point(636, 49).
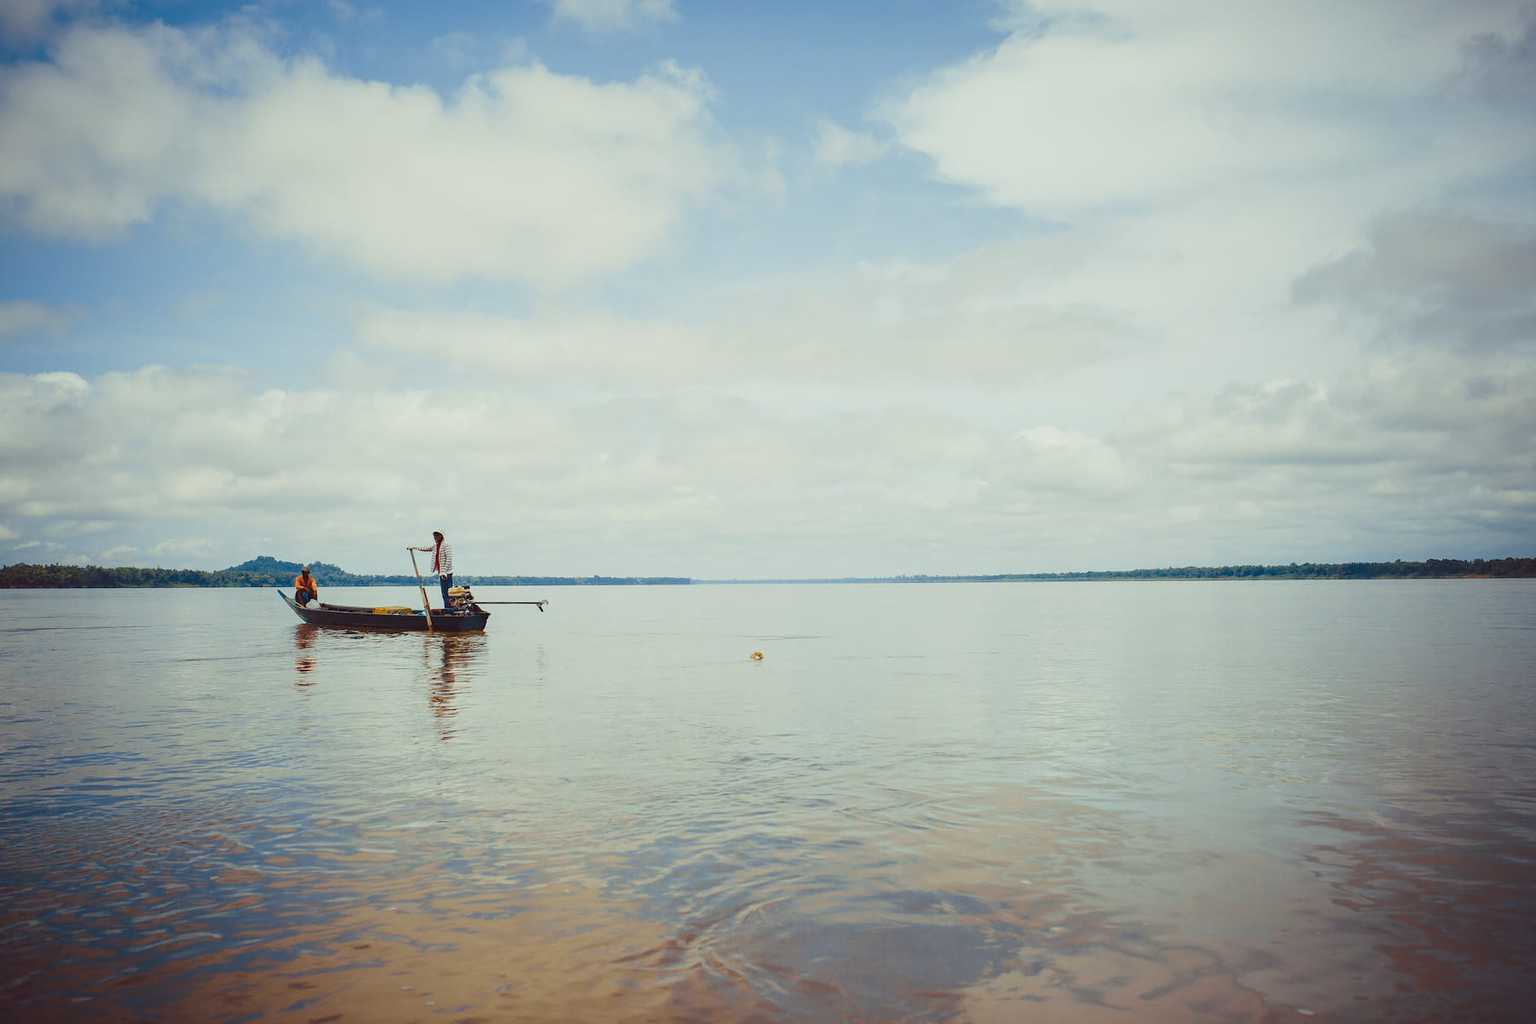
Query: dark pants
point(303, 596)
point(445, 582)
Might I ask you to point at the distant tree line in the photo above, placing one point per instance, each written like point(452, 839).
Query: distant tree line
point(267, 571)
point(270, 572)
point(1434, 568)
point(97, 576)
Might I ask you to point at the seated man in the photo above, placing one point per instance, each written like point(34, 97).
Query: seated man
point(304, 588)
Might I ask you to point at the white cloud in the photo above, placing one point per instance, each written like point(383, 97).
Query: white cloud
point(1401, 453)
point(839, 146)
point(614, 15)
point(576, 343)
point(118, 553)
point(6, 533)
point(185, 547)
point(523, 173)
point(1195, 159)
point(1437, 279)
point(1188, 300)
point(22, 317)
point(1407, 459)
point(1226, 194)
point(78, 528)
point(989, 320)
point(1115, 103)
point(1501, 67)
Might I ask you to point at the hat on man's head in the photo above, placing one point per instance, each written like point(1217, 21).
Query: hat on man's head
point(305, 567)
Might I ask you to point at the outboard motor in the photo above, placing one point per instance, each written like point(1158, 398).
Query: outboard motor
point(460, 599)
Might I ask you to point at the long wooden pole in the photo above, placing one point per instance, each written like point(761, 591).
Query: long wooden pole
point(540, 604)
point(426, 605)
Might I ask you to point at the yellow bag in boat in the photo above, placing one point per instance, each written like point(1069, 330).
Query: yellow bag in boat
point(391, 611)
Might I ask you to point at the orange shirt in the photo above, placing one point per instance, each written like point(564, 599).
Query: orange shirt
point(301, 583)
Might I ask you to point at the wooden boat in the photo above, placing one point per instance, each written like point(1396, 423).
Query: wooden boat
point(444, 620)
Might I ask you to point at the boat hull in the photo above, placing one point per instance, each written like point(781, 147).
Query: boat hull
point(349, 617)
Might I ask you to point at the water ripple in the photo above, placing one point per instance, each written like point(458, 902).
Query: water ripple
point(1152, 803)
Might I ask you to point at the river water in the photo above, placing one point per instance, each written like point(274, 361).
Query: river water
point(1046, 801)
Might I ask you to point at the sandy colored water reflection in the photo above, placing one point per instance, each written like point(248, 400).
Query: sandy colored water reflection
point(326, 934)
point(987, 919)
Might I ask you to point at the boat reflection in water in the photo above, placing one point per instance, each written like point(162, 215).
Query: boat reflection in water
point(449, 661)
point(304, 660)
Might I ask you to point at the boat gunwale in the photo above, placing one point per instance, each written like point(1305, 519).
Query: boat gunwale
point(358, 617)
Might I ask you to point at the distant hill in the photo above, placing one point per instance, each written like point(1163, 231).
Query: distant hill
point(267, 565)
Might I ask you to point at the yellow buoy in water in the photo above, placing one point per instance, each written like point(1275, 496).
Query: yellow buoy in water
point(757, 655)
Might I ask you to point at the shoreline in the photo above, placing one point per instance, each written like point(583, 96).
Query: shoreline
point(893, 581)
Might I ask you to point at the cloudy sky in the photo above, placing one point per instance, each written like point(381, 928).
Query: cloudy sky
point(730, 289)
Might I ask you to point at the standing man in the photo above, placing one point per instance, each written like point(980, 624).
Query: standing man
point(442, 562)
point(304, 588)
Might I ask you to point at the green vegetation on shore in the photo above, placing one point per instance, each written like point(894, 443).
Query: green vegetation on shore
point(1431, 569)
point(267, 571)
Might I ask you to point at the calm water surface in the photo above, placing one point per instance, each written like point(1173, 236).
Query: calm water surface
point(1057, 802)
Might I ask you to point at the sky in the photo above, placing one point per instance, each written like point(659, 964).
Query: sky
point(718, 289)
